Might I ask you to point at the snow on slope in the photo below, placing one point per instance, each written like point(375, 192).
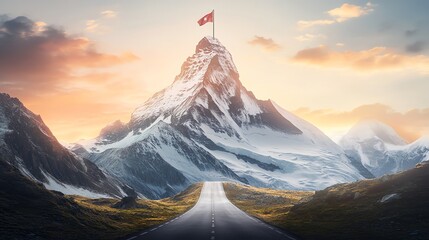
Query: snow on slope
point(381, 150)
point(52, 184)
point(208, 126)
point(28, 144)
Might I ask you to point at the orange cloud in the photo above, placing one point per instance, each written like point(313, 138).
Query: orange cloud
point(46, 58)
point(340, 14)
point(410, 125)
point(64, 78)
point(347, 11)
point(267, 44)
point(307, 24)
point(377, 58)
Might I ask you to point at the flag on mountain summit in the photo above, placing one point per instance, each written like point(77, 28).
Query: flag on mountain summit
point(207, 18)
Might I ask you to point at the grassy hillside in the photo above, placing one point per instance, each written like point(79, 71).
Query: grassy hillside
point(351, 211)
point(264, 203)
point(29, 211)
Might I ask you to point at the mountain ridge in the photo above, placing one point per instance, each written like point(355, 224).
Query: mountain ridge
point(234, 135)
point(380, 149)
point(28, 144)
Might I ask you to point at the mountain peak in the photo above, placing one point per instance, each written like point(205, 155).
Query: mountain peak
point(368, 129)
point(211, 65)
point(208, 43)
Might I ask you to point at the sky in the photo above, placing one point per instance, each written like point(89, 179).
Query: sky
point(84, 64)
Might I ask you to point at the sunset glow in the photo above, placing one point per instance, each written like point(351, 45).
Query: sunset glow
point(81, 69)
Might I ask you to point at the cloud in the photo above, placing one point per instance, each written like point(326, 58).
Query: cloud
point(347, 11)
point(76, 88)
point(377, 58)
point(411, 124)
point(338, 15)
point(35, 55)
point(266, 43)
point(98, 25)
point(92, 25)
point(416, 47)
point(109, 14)
point(309, 37)
point(307, 24)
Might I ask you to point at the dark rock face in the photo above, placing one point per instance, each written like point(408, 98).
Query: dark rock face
point(114, 132)
point(126, 203)
point(30, 145)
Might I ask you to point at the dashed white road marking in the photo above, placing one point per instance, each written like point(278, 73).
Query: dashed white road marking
point(143, 233)
point(213, 225)
point(212, 238)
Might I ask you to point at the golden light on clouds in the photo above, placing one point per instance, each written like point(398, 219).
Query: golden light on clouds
point(267, 44)
point(347, 11)
point(341, 14)
point(410, 125)
point(321, 22)
point(65, 78)
point(377, 58)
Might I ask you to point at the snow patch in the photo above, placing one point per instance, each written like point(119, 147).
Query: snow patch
point(53, 184)
point(389, 197)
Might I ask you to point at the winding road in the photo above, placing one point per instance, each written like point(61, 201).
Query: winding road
point(213, 217)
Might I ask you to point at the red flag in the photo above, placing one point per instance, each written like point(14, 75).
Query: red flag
point(207, 18)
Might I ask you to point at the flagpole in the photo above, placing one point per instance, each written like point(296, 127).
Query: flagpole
point(213, 23)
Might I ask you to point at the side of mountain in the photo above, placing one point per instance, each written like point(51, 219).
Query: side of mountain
point(207, 126)
point(29, 211)
point(28, 144)
point(391, 207)
point(381, 150)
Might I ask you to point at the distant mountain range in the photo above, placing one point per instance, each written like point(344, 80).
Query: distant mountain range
point(381, 150)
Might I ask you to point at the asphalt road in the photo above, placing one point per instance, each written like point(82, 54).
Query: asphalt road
point(214, 217)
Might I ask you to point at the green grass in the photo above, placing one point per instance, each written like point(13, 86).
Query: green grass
point(347, 211)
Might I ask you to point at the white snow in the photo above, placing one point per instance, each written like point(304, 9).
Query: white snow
point(381, 150)
point(55, 185)
point(307, 161)
point(368, 129)
point(4, 123)
point(250, 105)
point(389, 197)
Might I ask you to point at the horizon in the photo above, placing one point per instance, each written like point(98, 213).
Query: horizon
point(112, 56)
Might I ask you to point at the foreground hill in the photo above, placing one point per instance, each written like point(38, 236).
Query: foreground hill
point(29, 211)
point(391, 207)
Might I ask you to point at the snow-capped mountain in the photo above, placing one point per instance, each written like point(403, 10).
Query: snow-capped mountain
point(381, 150)
point(28, 144)
point(207, 126)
